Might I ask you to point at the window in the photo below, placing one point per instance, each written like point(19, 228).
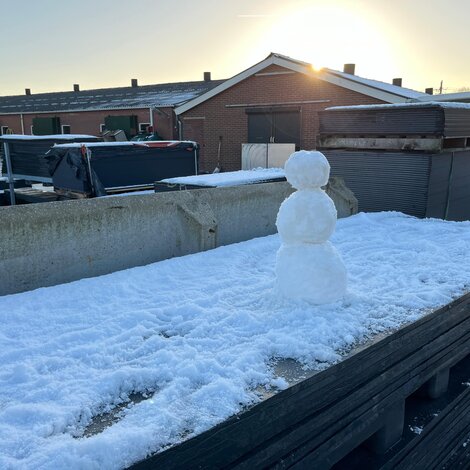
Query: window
point(46, 125)
point(5, 130)
point(65, 129)
point(102, 128)
point(143, 126)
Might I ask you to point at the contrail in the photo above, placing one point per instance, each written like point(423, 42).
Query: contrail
point(254, 16)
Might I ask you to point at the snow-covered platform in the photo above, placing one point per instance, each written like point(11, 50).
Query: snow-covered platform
point(228, 178)
point(194, 361)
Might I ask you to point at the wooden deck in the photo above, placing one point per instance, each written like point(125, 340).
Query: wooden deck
point(317, 422)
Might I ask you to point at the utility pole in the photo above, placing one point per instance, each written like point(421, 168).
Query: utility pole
point(440, 88)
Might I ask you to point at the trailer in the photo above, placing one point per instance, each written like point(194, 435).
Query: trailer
point(98, 169)
point(23, 161)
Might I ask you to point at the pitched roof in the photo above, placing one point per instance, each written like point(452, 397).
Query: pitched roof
point(374, 88)
point(463, 96)
point(167, 94)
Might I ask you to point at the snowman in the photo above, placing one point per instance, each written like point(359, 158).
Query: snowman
point(308, 266)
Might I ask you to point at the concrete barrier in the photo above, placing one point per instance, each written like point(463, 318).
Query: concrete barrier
point(52, 243)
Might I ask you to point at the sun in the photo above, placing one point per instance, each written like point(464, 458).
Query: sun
point(329, 35)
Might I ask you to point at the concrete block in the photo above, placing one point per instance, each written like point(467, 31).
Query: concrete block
point(57, 242)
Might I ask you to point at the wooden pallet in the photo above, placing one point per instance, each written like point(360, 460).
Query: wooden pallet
point(444, 443)
point(31, 195)
point(318, 421)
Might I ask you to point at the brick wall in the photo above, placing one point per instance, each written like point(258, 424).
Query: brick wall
point(88, 122)
point(212, 120)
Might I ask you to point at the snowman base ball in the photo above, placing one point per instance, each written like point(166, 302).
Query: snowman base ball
point(311, 272)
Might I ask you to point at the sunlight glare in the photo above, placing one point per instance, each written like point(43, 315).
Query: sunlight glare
point(329, 35)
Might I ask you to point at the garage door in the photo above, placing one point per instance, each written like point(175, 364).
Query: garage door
point(274, 125)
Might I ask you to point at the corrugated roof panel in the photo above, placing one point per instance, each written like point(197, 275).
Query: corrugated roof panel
point(411, 119)
point(169, 94)
point(382, 121)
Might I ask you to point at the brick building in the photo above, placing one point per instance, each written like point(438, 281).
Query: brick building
point(276, 100)
point(85, 112)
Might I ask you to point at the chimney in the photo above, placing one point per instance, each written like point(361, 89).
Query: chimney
point(349, 68)
point(207, 76)
point(134, 83)
point(397, 81)
point(27, 91)
point(76, 87)
point(429, 91)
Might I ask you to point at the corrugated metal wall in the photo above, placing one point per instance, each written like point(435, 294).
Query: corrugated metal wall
point(459, 187)
point(457, 122)
point(384, 181)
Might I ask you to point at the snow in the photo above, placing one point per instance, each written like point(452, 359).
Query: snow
point(229, 178)
point(132, 193)
point(99, 144)
point(416, 429)
point(307, 216)
point(313, 272)
point(459, 96)
point(139, 143)
point(46, 137)
point(197, 336)
point(307, 265)
point(309, 169)
point(427, 104)
point(143, 96)
point(387, 87)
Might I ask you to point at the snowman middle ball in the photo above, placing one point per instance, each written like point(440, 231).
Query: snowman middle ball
point(307, 216)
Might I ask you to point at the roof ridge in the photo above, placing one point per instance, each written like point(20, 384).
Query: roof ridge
point(351, 77)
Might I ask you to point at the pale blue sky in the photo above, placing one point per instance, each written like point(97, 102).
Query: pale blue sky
point(48, 45)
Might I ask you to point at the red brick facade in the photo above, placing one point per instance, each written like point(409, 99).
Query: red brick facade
point(213, 119)
point(88, 122)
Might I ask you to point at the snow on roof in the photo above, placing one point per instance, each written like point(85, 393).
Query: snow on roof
point(99, 144)
point(428, 104)
point(461, 96)
point(141, 143)
point(143, 96)
point(194, 337)
point(229, 178)
point(388, 87)
point(384, 91)
point(46, 137)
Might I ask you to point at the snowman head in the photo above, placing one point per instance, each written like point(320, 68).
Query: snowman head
point(307, 169)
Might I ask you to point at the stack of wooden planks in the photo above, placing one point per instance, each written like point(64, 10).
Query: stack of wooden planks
point(320, 420)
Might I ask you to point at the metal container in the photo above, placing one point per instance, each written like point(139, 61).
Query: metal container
point(103, 168)
point(427, 175)
point(27, 154)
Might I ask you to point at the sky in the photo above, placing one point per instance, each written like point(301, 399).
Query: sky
point(48, 45)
